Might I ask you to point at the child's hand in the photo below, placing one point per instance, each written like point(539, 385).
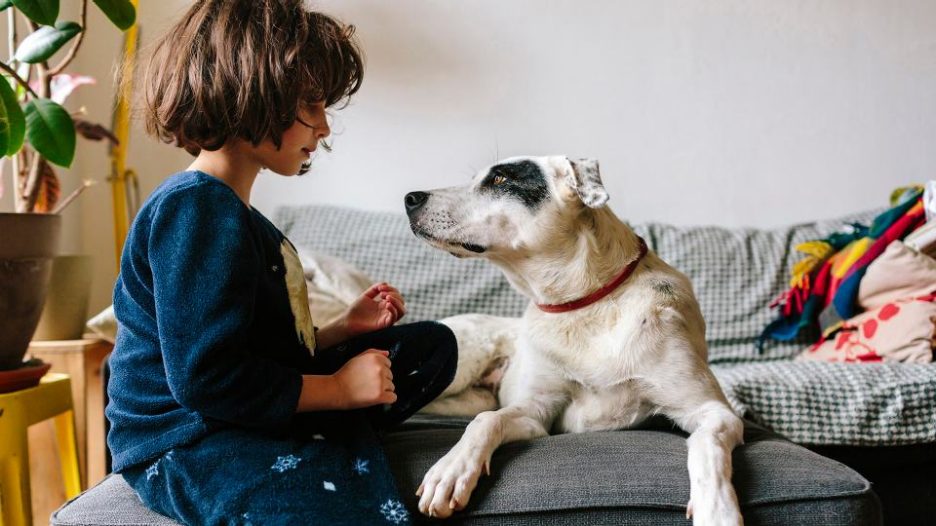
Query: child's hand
point(365, 380)
point(379, 307)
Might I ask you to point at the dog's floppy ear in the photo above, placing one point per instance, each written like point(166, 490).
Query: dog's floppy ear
point(586, 181)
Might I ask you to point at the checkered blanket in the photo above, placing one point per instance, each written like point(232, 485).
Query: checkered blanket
point(735, 273)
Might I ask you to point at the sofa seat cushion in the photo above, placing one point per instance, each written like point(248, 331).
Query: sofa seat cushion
point(624, 472)
point(112, 501)
point(636, 476)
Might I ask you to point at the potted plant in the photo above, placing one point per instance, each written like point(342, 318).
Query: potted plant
point(37, 133)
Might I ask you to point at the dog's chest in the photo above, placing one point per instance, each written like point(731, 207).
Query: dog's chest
point(598, 409)
point(594, 356)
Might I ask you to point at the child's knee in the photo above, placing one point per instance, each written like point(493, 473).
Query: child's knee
point(434, 335)
point(442, 347)
point(447, 345)
point(446, 335)
point(444, 341)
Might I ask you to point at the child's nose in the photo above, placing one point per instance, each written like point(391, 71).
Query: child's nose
point(322, 131)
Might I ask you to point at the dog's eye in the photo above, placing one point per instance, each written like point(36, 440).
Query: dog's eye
point(499, 179)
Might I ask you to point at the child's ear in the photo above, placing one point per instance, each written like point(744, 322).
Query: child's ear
point(585, 179)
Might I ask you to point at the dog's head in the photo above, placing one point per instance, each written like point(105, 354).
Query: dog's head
point(518, 203)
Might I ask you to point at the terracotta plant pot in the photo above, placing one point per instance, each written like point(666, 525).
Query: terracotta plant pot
point(27, 244)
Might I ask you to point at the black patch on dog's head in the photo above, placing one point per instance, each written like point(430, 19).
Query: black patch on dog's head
point(523, 180)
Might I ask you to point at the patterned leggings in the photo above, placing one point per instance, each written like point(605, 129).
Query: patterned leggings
point(328, 468)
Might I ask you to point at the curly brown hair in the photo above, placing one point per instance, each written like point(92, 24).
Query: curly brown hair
point(242, 69)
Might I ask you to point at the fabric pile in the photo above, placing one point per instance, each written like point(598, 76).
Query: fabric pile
point(869, 295)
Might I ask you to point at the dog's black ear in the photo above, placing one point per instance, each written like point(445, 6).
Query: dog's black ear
point(586, 181)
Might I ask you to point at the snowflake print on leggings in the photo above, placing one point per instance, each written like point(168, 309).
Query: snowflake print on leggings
point(153, 470)
point(285, 463)
point(360, 466)
point(394, 511)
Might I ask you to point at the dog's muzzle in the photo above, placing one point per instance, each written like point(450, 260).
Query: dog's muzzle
point(415, 202)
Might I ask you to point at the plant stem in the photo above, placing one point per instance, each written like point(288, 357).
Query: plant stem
point(14, 175)
point(11, 21)
point(31, 192)
point(71, 197)
point(19, 80)
point(74, 49)
point(11, 33)
point(15, 158)
point(33, 182)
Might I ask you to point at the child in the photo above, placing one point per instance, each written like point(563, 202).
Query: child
point(226, 405)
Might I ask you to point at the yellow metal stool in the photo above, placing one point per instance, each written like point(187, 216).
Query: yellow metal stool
point(19, 410)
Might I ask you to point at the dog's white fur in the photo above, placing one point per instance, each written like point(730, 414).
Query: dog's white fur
point(639, 351)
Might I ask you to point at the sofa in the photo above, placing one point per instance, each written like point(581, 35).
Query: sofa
point(824, 443)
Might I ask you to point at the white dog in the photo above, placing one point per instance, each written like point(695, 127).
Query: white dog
point(612, 335)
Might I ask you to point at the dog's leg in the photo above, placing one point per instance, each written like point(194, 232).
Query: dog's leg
point(469, 402)
point(681, 384)
point(482, 340)
point(714, 432)
point(448, 485)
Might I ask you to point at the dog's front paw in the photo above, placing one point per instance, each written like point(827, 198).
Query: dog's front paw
point(724, 512)
point(448, 484)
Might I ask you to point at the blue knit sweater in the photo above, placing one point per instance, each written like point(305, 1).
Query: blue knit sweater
point(213, 323)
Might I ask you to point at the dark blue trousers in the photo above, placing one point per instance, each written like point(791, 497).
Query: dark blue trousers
point(326, 468)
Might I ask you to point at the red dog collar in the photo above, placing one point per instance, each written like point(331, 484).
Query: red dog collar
point(603, 291)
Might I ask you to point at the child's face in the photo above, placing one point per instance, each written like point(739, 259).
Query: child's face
point(299, 141)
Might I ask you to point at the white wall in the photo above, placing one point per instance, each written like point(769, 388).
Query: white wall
point(731, 112)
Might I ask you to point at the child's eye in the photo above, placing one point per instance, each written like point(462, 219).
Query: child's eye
point(499, 179)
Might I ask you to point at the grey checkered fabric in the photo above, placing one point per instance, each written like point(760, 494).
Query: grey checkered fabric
point(435, 284)
point(736, 273)
point(837, 403)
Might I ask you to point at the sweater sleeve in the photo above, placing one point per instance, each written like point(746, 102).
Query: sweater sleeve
point(205, 266)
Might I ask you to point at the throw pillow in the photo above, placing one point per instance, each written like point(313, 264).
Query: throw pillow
point(900, 272)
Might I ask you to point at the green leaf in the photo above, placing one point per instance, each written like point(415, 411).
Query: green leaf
point(16, 120)
point(4, 4)
point(4, 127)
point(51, 131)
point(120, 12)
point(43, 12)
point(45, 41)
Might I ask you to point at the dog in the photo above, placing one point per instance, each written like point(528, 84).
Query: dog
point(612, 336)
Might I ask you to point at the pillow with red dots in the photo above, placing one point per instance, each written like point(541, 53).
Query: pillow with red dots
point(900, 272)
point(898, 331)
point(898, 291)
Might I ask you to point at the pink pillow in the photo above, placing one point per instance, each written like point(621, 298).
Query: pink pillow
point(898, 331)
point(900, 272)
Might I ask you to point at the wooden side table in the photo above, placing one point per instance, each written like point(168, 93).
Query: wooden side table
point(82, 361)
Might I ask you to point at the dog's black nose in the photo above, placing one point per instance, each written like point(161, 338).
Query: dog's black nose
point(415, 200)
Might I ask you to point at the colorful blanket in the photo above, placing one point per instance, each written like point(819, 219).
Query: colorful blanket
point(824, 289)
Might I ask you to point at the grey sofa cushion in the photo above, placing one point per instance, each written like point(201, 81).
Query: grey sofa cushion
point(110, 502)
point(633, 477)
